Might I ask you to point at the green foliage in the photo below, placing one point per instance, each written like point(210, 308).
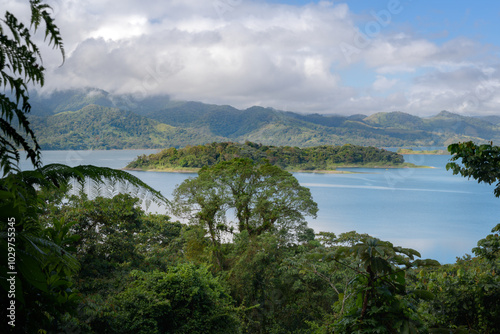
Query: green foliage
point(293, 158)
point(185, 299)
point(107, 228)
point(468, 291)
point(379, 301)
point(192, 123)
point(466, 296)
point(44, 262)
point(45, 242)
point(20, 65)
point(264, 198)
point(160, 242)
point(481, 162)
point(43, 267)
point(114, 236)
point(489, 247)
point(109, 128)
point(267, 279)
point(102, 265)
point(144, 276)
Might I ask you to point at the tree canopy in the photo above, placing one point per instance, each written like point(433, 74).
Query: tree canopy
point(481, 162)
point(264, 196)
point(290, 158)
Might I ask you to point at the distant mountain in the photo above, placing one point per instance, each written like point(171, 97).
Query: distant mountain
point(97, 127)
point(493, 119)
point(93, 118)
point(76, 99)
point(396, 119)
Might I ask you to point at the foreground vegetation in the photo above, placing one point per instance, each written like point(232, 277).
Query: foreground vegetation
point(264, 271)
point(108, 267)
point(289, 158)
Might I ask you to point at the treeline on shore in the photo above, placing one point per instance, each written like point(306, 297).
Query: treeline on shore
point(326, 157)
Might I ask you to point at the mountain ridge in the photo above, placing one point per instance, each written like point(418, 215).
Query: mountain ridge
point(95, 119)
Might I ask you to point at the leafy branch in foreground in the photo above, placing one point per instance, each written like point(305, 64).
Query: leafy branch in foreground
point(21, 64)
point(481, 162)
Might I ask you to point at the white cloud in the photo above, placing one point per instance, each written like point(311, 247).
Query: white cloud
point(244, 52)
point(249, 53)
point(383, 84)
point(393, 53)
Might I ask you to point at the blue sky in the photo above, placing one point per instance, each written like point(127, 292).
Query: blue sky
point(437, 20)
point(458, 18)
point(329, 57)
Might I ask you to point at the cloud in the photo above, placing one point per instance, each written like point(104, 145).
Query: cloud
point(245, 53)
point(383, 84)
point(468, 89)
point(242, 54)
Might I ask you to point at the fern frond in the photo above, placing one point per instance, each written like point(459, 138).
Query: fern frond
point(61, 174)
point(38, 13)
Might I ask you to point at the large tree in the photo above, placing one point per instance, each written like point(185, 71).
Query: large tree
point(263, 198)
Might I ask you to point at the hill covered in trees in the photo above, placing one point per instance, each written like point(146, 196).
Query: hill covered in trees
point(324, 157)
point(97, 127)
point(123, 121)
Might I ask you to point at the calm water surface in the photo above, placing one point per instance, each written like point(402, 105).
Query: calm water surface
point(439, 214)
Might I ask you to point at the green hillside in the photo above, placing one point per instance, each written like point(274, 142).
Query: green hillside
point(397, 120)
point(92, 118)
point(96, 127)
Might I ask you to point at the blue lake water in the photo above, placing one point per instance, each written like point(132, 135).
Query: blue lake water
point(431, 210)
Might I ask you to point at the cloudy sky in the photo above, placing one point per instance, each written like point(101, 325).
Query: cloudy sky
point(343, 57)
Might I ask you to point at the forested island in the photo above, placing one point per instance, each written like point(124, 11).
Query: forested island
point(318, 158)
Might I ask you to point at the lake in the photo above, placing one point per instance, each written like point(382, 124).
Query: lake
point(429, 209)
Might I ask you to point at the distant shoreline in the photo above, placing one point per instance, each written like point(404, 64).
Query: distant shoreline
point(408, 151)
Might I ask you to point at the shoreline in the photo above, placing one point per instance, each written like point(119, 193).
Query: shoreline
point(316, 171)
point(195, 170)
